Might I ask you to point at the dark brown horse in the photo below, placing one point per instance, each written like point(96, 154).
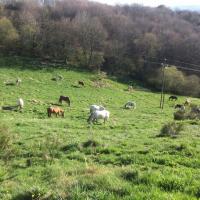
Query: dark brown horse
point(171, 98)
point(55, 110)
point(64, 98)
point(81, 83)
point(180, 106)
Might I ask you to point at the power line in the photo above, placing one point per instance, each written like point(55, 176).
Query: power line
point(189, 69)
point(180, 67)
point(186, 63)
point(177, 61)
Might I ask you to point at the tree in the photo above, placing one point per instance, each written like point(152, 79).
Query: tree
point(28, 32)
point(91, 39)
point(8, 33)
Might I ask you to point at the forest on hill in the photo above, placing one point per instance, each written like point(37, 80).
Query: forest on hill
point(128, 41)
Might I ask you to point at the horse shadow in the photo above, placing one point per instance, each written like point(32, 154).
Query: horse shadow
point(10, 108)
point(76, 86)
point(56, 104)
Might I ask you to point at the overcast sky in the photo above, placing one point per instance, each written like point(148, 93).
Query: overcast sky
point(169, 3)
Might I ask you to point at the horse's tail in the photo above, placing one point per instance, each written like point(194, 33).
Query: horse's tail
point(62, 113)
point(49, 112)
point(69, 102)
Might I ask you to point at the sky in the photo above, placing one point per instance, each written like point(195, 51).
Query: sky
point(153, 3)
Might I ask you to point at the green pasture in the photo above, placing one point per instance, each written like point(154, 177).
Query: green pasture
point(66, 158)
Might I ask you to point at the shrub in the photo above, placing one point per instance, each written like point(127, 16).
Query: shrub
point(192, 113)
point(90, 143)
point(179, 115)
point(171, 129)
point(176, 81)
point(171, 184)
point(34, 193)
point(6, 143)
point(50, 148)
point(130, 175)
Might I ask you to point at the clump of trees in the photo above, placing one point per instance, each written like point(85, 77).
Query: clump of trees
point(176, 81)
point(117, 39)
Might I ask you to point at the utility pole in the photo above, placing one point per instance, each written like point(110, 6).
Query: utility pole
point(162, 97)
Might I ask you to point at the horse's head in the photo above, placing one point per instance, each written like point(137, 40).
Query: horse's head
point(62, 113)
point(101, 108)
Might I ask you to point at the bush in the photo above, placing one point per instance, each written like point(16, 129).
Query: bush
point(34, 193)
point(171, 129)
point(172, 184)
point(90, 143)
point(130, 175)
point(179, 115)
point(192, 113)
point(6, 143)
point(176, 82)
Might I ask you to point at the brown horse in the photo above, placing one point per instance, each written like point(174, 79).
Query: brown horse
point(64, 98)
point(81, 83)
point(55, 110)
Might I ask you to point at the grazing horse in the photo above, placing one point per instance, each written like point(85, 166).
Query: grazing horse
point(20, 103)
point(179, 106)
point(99, 114)
point(95, 107)
point(81, 83)
point(187, 102)
point(18, 81)
point(130, 104)
point(173, 98)
point(64, 98)
point(55, 110)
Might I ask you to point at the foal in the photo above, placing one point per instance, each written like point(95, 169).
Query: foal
point(64, 98)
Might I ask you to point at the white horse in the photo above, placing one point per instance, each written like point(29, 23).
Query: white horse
point(187, 102)
point(130, 104)
point(18, 81)
point(99, 114)
point(20, 103)
point(95, 107)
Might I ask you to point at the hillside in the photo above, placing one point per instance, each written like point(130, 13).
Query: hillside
point(54, 158)
point(123, 40)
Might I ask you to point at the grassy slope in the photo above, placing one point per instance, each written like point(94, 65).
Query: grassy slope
point(129, 161)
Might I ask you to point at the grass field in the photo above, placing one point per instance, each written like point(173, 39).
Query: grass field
point(65, 158)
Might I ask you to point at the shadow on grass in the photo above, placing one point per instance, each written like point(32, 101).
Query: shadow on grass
point(10, 108)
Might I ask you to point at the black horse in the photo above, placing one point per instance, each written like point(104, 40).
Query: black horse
point(64, 98)
point(81, 83)
point(180, 106)
point(171, 98)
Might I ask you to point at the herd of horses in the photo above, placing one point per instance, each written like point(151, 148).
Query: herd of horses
point(96, 111)
point(180, 106)
point(99, 112)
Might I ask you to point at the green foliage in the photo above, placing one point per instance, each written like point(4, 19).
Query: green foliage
point(176, 82)
point(8, 33)
point(130, 175)
point(172, 184)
